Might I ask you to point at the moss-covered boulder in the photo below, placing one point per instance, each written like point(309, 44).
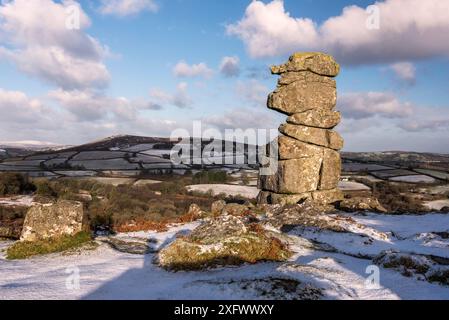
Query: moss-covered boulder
point(225, 240)
point(53, 220)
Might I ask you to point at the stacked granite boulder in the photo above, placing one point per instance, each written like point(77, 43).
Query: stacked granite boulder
point(309, 163)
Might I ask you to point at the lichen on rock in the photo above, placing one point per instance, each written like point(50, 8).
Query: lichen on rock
point(309, 164)
point(224, 240)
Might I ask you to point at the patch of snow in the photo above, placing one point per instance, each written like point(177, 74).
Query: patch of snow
point(352, 186)
point(437, 204)
point(231, 190)
point(26, 201)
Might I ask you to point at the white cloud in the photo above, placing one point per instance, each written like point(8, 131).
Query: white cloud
point(362, 105)
point(230, 66)
point(72, 120)
point(243, 118)
point(253, 92)
point(24, 118)
point(33, 34)
point(122, 8)
point(404, 71)
point(430, 119)
point(16, 106)
point(184, 70)
point(409, 30)
point(90, 106)
point(180, 98)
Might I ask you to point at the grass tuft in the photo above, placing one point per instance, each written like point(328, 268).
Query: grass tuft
point(25, 249)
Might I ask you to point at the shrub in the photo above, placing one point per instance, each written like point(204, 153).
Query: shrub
point(12, 213)
point(45, 188)
point(395, 198)
point(23, 249)
point(210, 177)
point(14, 183)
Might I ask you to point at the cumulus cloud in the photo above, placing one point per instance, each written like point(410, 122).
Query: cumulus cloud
point(16, 106)
point(184, 70)
point(253, 92)
point(362, 105)
point(25, 117)
point(67, 57)
point(89, 105)
point(408, 30)
point(427, 119)
point(404, 71)
point(180, 98)
point(230, 66)
point(123, 8)
point(426, 124)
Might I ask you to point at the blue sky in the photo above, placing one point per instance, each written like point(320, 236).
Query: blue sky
point(148, 67)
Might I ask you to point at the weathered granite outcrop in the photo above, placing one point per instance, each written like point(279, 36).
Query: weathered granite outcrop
point(309, 162)
point(222, 240)
point(46, 221)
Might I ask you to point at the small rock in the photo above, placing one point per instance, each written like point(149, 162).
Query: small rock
point(195, 212)
point(132, 247)
point(445, 209)
point(217, 207)
point(219, 227)
point(235, 209)
point(361, 204)
point(307, 214)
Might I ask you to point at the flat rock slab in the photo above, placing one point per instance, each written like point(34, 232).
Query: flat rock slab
point(290, 148)
point(323, 197)
point(316, 62)
point(319, 118)
point(321, 137)
point(300, 96)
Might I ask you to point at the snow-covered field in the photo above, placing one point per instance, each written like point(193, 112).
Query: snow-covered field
point(414, 179)
point(339, 274)
point(352, 186)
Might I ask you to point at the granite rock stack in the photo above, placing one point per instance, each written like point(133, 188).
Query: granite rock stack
point(309, 163)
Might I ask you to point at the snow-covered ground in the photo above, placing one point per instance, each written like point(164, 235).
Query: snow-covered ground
point(25, 201)
point(352, 186)
point(105, 273)
point(437, 204)
point(231, 190)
